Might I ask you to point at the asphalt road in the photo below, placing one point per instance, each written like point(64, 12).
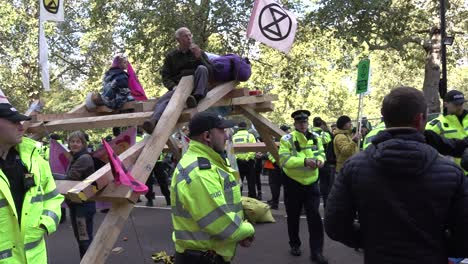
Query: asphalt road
point(148, 230)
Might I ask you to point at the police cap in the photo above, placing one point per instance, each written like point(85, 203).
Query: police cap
point(205, 121)
point(301, 115)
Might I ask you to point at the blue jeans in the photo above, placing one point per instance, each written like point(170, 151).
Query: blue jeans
point(82, 222)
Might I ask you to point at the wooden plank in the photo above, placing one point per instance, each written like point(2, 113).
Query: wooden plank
point(252, 147)
point(127, 106)
point(128, 119)
point(268, 139)
point(35, 107)
point(238, 92)
point(55, 117)
point(266, 128)
point(64, 185)
point(262, 121)
point(81, 108)
point(115, 220)
point(86, 189)
point(215, 95)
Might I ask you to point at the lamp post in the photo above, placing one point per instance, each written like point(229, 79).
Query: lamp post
point(443, 52)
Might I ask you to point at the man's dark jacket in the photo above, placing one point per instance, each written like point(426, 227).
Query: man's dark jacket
point(178, 64)
point(412, 203)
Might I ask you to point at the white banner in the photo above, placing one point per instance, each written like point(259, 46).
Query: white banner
point(51, 10)
point(3, 98)
point(272, 25)
point(44, 57)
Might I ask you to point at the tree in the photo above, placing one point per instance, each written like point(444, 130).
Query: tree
point(409, 27)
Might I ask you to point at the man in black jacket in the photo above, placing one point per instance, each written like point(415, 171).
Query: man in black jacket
point(187, 59)
point(412, 203)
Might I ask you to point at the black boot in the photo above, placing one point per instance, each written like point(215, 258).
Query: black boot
point(318, 258)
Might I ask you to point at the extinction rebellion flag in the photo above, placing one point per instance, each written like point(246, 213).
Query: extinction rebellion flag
point(51, 10)
point(272, 25)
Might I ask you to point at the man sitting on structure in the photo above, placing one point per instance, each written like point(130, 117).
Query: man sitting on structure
point(187, 59)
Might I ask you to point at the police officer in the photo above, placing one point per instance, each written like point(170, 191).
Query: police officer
point(301, 155)
point(208, 233)
point(246, 161)
point(29, 201)
point(454, 123)
point(327, 172)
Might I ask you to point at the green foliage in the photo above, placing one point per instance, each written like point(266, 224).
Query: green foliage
point(318, 74)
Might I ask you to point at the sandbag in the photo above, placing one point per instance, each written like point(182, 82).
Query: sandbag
point(256, 211)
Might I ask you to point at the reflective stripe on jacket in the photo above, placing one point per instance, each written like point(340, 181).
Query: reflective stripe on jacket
point(292, 158)
point(41, 206)
point(207, 212)
point(450, 127)
point(243, 136)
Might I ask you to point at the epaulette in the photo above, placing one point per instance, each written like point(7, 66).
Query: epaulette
point(434, 122)
point(286, 137)
point(203, 163)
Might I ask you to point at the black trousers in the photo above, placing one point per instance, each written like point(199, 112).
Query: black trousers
point(297, 196)
point(326, 179)
point(258, 173)
point(163, 180)
point(275, 180)
point(247, 170)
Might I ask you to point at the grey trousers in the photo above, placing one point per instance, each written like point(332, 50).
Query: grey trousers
point(200, 88)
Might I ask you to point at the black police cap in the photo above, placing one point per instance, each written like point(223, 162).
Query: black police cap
point(301, 115)
point(7, 111)
point(455, 97)
point(205, 121)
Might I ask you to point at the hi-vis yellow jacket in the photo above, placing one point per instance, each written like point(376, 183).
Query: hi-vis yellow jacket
point(243, 136)
point(294, 149)
point(206, 203)
point(25, 244)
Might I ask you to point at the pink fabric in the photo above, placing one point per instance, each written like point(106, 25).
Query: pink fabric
point(119, 144)
point(59, 157)
point(135, 87)
point(121, 175)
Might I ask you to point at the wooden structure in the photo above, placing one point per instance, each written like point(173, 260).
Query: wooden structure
point(142, 157)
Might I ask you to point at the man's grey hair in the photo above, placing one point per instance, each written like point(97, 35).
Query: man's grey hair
point(180, 31)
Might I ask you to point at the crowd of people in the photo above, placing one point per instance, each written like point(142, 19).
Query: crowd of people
point(387, 190)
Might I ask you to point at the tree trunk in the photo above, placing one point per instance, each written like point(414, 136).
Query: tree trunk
point(432, 71)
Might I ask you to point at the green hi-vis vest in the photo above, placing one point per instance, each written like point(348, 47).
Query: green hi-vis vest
point(41, 206)
point(243, 136)
point(207, 212)
point(371, 135)
point(324, 136)
point(294, 148)
point(449, 126)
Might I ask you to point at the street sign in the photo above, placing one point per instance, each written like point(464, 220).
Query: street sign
point(363, 76)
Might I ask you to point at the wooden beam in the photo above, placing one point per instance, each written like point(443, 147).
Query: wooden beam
point(115, 220)
point(262, 121)
point(55, 117)
point(268, 139)
point(215, 95)
point(266, 128)
point(86, 189)
point(129, 119)
point(252, 147)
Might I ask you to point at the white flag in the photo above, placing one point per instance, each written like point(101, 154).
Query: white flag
point(272, 25)
point(44, 57)
point(51, 10)
point(3, 98)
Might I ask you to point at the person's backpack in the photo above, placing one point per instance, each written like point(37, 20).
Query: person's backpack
point(231, 67)
point(330, 153)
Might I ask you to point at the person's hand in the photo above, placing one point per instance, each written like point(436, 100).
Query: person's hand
point(319, 164)
point(356, 137)
point(247, 242)
point(310, 163)
point(196, 50)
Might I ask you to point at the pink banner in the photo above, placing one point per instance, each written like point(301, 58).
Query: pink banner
point(59, 158)
point(121, 175)
point(119, 144)
point(136, 89)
